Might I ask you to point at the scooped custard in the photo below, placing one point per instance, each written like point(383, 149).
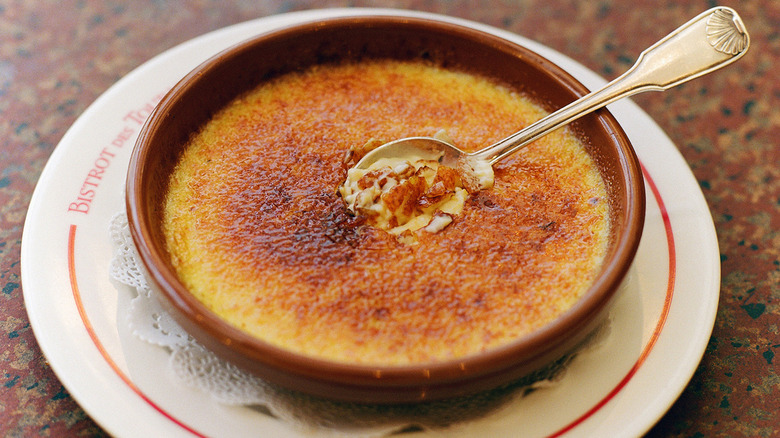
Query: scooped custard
point(405, 194)
point(259, 230)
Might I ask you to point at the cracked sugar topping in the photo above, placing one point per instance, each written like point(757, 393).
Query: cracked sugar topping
point(404, 194)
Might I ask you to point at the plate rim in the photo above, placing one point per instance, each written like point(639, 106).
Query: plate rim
point(59, 154)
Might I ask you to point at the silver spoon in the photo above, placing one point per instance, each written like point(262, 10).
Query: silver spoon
point(708, 42)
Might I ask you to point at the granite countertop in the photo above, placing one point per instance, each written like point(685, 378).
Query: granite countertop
point(56, 58)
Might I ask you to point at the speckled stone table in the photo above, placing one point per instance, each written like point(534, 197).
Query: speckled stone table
point(57, 57)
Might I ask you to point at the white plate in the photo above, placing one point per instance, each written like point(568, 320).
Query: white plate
point(660, 326)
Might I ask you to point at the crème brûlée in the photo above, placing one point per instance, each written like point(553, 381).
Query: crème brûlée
point(257, 230)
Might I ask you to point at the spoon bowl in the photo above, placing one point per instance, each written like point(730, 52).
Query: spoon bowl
point(426, 148)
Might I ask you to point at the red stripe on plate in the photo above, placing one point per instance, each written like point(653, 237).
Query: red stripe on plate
point(99, 345)
point(661, 320)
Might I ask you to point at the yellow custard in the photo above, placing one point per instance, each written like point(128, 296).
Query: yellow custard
point(258, 233)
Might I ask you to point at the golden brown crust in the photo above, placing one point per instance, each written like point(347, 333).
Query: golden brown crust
point(260, 235)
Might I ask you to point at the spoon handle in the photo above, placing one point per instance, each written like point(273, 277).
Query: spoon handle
point(712, 40)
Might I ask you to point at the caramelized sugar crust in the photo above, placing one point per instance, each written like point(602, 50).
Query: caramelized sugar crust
point(258, 233)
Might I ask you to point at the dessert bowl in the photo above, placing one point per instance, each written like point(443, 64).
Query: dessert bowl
point(209, 88)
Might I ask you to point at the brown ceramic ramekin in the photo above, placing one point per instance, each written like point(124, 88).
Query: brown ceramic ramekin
point(213, 84)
